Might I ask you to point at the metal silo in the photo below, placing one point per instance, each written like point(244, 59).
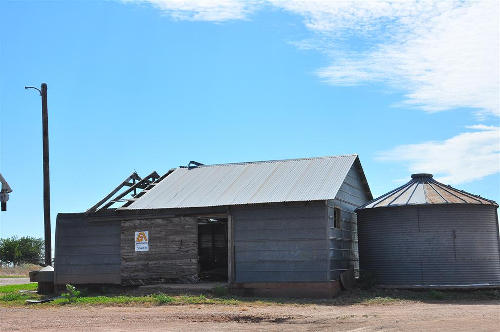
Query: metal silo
point(427, 234)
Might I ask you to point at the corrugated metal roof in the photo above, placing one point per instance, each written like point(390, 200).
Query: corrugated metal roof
point(290, 180)
point(423, 189)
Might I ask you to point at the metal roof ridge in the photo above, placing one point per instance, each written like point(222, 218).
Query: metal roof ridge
point(274, 160)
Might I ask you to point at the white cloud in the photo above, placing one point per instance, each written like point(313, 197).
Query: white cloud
point(463, 158)
point(443, 54)
point(204, 10)
point(446, 61)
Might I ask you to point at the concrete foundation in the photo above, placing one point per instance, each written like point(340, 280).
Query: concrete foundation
point(287, 289)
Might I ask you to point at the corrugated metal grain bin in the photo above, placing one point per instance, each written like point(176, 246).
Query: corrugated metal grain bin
point(426, 234)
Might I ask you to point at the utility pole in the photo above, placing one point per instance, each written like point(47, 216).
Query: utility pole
point(46, 180)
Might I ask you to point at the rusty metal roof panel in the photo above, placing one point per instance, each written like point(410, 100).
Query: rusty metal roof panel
point(423, 189)
point(290, 180)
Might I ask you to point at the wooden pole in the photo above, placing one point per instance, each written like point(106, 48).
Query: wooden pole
point(46, 180)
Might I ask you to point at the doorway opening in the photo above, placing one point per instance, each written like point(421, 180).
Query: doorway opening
point(212, 249)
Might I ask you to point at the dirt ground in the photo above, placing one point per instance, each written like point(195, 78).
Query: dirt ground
point(18, 270)
point(483, 316)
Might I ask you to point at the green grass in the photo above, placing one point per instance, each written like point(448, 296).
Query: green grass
point(15, 288)
point(10, 296)
point(163, 298)
point(105, 300)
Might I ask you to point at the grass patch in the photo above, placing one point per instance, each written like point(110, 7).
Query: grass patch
point(155, 299)
point(104, 300)
point(15, 288)
point(10, 296)
point(163, 298)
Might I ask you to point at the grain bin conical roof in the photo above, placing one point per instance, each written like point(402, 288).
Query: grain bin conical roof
point(422, 189)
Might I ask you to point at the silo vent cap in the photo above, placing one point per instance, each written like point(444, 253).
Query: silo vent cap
point(421, 175)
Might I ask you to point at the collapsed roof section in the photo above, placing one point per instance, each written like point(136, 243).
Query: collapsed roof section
point(131, 189)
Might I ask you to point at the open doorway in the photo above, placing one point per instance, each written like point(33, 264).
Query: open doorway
point(212, 249)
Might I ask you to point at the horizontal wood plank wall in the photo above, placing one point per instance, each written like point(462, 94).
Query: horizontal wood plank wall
point(172, 255)
point(86, 253)
point(279, 242)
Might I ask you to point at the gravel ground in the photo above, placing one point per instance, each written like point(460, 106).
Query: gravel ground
point(14, 281)
point(483, 316)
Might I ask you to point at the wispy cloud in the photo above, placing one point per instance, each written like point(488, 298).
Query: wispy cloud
point(443, 60)
point(204, 10)
point(463, 158)
point(442, 54)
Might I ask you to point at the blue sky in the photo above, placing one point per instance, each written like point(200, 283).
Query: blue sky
point(150, 85)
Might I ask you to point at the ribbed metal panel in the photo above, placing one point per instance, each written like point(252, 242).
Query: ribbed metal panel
point(430, 245)
point(249, 183)
point(423, 189)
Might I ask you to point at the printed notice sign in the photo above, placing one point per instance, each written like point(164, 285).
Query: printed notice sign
point(142, 241)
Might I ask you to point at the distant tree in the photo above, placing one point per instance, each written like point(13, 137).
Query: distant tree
point(24, 250)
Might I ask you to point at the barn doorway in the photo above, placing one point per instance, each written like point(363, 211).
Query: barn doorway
point(212, 249)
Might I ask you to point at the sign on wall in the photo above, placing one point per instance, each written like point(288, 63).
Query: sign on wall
point(142, 241)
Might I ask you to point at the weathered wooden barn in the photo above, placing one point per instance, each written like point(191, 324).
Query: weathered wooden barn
point(257, 225)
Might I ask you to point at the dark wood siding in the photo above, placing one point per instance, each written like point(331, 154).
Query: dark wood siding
point(86, 252)
point(172, 255)
point(344, 240)
point(280, 242)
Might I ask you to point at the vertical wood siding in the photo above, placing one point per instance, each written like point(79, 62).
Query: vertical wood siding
point(172, 255)
point(86, 252)
point(344, 241)
point(274, 243)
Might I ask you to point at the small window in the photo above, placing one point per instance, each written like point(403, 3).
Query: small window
point(336, 218)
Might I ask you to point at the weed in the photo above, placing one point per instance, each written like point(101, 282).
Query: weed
point(163, 298)
point(72, 293)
